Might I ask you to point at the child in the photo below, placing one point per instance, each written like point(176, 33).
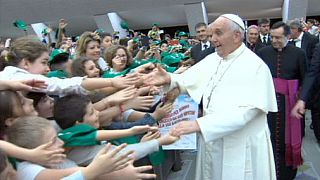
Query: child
point(84, 66)
point(30, 132)
point(59, 64)
point(79, 121)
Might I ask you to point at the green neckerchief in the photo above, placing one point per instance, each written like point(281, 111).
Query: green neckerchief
point(79, 135)
point(59, 74)
point(110, 73)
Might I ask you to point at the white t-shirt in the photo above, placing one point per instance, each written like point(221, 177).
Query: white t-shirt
point(29, 171)
point(55, 86)
point(84, 155)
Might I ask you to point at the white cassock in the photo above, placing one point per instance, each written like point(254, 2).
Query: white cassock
point(234, 142)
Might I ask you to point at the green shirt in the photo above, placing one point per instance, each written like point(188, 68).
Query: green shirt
point(59, 74)
point(110, 73)
point(79, 135)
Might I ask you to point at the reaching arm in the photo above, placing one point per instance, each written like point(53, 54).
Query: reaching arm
point(55, 173)
point(40, 155)
point(103, 135)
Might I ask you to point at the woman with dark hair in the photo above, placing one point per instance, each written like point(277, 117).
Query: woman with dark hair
point(84, 66)
point(119, 59)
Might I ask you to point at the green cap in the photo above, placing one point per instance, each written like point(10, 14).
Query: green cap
point(44, 31)
point(20, 25)
point(58, 55)
point(182, 33)
point(77, 38)
point(124, 25)
point(156, 24)
point(135, 40)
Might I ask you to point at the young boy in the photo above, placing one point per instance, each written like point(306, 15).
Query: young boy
point(60, 64)
point(80, 122)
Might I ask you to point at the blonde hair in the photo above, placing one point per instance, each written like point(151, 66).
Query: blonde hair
point(84, 40)
point(27, 132)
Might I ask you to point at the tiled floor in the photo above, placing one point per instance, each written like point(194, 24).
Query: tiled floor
point(310, 170)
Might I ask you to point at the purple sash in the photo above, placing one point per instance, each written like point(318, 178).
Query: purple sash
point(293, 139)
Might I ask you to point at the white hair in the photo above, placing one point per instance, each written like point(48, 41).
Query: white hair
point(235, 27)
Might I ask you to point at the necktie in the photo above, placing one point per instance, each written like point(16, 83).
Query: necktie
point(264, 40)
point(252, 47)
point(205, 46)
point(293, 42)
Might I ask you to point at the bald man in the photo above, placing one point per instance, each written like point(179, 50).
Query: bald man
point(237, 91)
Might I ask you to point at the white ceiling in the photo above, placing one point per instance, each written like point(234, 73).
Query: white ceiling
point(140, 14)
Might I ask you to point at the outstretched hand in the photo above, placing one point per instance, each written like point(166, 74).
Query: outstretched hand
point(185, 127)
point(140, 102)
point(107, 161)
point(150, 135)
point(125, 81)
point(43, 155)
point(157, 77)
point(122, 95)
point(168, 138)
point(143, 129)
point(24, 85)
point(162, 110)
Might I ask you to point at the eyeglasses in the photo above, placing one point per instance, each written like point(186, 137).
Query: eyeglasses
point(121, 55)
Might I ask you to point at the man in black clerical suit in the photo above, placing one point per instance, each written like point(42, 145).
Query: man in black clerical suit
point(303, 40)
point(287, 65)
point(264, 29)
point(204, 48)
point(310, 93)
point(252, 39)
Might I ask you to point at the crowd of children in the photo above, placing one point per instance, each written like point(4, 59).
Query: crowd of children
point(83, 110)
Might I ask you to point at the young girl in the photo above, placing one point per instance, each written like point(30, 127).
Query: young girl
point(84, 66)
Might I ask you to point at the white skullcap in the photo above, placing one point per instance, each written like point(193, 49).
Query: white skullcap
point(235, 18)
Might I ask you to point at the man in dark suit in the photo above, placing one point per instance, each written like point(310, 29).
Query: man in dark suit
point(310, 93)
point(303, 40)
point(264, 29)
point(307, 42)
point(252, 38)
point(204, 48)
